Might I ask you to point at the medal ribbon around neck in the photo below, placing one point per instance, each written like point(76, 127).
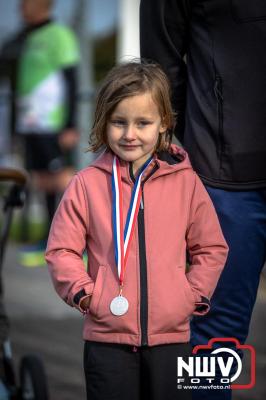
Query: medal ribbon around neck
point(122, 240)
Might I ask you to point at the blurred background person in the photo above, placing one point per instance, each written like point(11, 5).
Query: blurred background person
point(42, 61)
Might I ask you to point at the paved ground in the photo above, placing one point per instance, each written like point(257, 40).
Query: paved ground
point(257, 339)
point(41, 323)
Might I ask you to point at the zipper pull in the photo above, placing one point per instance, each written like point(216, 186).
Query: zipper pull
point(217, 89)
point(141, 203)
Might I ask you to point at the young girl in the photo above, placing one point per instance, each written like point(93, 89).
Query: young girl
point(136, 211)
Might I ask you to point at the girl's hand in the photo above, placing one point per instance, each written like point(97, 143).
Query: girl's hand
point(68, 139)
point(85, 303)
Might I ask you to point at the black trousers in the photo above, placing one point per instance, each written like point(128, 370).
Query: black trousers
point(119, 372)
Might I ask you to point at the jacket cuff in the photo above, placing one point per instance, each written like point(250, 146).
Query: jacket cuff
point(202, 306)
point(77, 299)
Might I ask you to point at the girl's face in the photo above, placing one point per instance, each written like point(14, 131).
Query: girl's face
point(134, 128)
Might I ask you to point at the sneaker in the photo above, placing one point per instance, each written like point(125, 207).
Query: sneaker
point(33, 255)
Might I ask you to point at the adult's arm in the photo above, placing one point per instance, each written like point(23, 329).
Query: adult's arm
point(163, 38)
point(9, 56)
point(67, 60)
point(70, 75)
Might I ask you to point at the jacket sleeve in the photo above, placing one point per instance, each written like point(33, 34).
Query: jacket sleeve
point(206, 246)
point(66, 245)
point(163, 39)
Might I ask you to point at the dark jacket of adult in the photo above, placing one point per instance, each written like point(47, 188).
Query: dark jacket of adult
point(220, 92)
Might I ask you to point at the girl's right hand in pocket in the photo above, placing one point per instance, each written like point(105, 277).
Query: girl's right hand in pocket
point(85, 303)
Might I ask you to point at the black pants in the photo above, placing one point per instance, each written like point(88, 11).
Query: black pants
point(118, 372)
point(43, 153)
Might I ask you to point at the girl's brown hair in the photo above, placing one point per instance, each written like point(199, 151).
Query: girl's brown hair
point(126, 80)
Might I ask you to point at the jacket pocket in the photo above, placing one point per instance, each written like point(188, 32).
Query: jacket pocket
point(172, 308)
point(248, 10)
point(106, 288)
point(218, 91)
point(187, 302)
point(97, 291)
point(188, 291)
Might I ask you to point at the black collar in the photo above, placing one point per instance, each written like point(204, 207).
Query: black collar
point(171, 159)
point(31, 28)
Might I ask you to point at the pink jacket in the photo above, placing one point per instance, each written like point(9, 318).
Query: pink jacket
point(178, 216)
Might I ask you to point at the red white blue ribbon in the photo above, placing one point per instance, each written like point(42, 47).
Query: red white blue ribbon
point(123, 237)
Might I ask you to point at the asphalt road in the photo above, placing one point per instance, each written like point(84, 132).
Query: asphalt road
point(42, 324)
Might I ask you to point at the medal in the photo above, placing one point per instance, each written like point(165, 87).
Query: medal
point(119, 305)
point(122, 238)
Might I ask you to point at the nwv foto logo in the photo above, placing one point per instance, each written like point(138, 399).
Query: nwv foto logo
point(230, 367)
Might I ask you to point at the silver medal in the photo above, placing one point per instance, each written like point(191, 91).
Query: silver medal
point(119, 305)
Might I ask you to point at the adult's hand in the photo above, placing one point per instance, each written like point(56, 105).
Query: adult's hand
point(68, 139)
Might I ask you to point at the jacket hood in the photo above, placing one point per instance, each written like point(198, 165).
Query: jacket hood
point(167, 162)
